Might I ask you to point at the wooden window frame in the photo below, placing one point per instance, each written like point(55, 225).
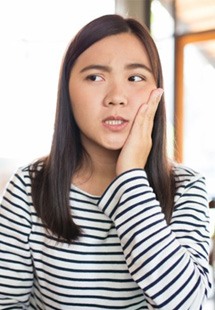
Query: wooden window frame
point(180, 43)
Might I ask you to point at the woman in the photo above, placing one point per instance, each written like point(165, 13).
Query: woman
point(106, 221)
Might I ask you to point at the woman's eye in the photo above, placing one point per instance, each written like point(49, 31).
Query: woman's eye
point(136, 78)
point(94, 78)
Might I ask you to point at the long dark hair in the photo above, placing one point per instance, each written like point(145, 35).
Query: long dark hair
point(52, 175)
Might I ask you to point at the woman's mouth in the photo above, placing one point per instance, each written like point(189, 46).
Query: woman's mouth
point(115, 123)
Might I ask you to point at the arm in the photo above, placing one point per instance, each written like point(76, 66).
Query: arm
point(169, 263)
point(16, 270)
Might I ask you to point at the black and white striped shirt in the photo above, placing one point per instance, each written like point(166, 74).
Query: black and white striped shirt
point(126, 258)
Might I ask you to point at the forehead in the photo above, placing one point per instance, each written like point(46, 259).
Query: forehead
point(125, 47)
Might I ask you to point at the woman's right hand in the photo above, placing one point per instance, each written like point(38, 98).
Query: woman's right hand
point(137, 147)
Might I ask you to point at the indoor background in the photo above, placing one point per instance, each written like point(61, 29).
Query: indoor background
point(34, 35)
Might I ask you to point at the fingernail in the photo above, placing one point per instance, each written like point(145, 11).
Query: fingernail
point(159, 92)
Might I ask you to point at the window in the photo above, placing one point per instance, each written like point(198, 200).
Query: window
point(34, 35)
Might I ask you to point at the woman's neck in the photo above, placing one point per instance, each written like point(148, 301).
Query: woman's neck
point(97, 171)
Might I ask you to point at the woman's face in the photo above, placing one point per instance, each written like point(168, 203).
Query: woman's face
point(108, 83)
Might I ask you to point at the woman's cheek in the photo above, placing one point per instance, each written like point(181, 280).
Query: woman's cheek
point(142, 94)
point(139, 97)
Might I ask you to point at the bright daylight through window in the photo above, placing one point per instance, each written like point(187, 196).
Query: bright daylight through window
point(34, 35)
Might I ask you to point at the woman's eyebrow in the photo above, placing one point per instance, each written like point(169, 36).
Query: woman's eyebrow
point(108, 69)
point(137, 66)
point(96, 67)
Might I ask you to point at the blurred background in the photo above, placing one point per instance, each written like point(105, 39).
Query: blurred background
point(34, 35)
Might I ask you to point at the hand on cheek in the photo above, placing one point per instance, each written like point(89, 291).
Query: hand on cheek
point(136, 149)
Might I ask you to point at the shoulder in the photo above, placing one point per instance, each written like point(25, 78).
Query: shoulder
point(29, 170)
point(23, 175)
point(16, 199)
point(184, 174)
point(20, 180)
point(188, 180)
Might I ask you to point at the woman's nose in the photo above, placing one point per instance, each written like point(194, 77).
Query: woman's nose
point(115, 96)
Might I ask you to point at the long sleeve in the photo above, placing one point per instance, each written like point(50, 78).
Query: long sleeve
point(16, 271)
point(168, 262)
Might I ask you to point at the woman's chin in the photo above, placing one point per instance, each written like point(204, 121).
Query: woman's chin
point(115, 143)
point(114, 146)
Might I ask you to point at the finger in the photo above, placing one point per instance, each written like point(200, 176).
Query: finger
point(146, 113)
point(152, 104)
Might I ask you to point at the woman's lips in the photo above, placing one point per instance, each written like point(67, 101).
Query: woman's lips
point(115, 123)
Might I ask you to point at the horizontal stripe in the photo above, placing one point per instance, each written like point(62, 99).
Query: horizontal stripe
point(126, 258)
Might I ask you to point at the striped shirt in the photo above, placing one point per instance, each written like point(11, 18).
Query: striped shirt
point(126, 258)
